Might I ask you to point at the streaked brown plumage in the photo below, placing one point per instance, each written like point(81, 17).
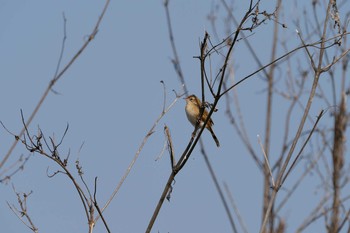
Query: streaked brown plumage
point(192, 108)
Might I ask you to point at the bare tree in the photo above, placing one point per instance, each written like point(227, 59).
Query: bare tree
point(332, 41)
point(307, 83)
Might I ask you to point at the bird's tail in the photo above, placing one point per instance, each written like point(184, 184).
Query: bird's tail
point(214, 137)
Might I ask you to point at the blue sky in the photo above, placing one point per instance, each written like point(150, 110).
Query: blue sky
point(110, 98)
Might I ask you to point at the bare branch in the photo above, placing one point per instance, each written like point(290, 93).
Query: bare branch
point(22, 214)
point(56, 78)
point(149, 133)
point(302, 148)
point(266, 160)
point(98, 208)
point(235, 208)
point(170, 147)
point(218, 188)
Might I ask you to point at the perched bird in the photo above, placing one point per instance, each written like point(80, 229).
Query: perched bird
point(193, 105)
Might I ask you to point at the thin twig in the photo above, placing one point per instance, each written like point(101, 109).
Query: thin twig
point(170, 147)
point(235, 208)
point(297, 183)
point(149, 133)
point(98, 208)
point(218, 188)
point(36, 146)
point(301, 125)
point(55, 79)
point(193, 141)
point(240, 126)
point(175, 60)
point(23, 210)
point(18, 164)
point(279, 59)
point(302, 148)
point(266, 160)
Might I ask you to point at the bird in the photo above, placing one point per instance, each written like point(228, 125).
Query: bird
point(193, 105)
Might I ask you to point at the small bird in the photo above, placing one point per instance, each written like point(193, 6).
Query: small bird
point(193, 105)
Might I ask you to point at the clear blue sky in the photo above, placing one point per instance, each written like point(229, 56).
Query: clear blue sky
point(111, 96)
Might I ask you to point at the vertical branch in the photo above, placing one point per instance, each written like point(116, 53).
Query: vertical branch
point(175, 60)
point(266, 161)
point(175, 169)
point(188, 151)
point(170, 146)
point(202, 64)
point(340, 121)
point(270, 87)
point(318, 71)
